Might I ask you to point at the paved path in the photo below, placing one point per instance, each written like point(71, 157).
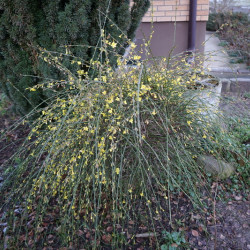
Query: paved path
point(217, 58)
point(235, 77)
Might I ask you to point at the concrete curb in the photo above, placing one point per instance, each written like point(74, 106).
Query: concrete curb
point(229, 70)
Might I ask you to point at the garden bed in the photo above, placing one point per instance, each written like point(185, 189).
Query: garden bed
point(222, 225)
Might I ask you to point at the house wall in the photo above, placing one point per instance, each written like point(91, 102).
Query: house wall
point(170, 21)
point(168, 36)
point(175, 10)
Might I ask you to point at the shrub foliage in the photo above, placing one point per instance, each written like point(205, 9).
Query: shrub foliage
point(112, 149)
point(75, 24)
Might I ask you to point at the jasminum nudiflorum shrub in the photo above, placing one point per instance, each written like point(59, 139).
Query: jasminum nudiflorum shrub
point(113, 149)
point(27, 26)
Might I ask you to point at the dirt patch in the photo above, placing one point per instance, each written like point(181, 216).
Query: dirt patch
point(231, 230)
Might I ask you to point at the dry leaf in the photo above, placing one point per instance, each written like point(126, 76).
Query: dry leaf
point(109, 229)
point(40, 229)
point(87, 235)
point(80, 233)
point(195, 233)
point(107, 238)
point(131, 222)
point(174, 245)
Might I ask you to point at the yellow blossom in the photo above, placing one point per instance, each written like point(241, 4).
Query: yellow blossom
point(113, 44)
point(137, 57)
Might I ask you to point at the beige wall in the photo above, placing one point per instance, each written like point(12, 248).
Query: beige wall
point(170, 25)
point(175, 10)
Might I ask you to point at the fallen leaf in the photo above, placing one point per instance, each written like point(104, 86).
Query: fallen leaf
point(22, 238)
point(80, 233)
point(109, 229)
point(107, 238)
point(30, 243)
point(40, 229)
point(195, 233)
point(174, 245)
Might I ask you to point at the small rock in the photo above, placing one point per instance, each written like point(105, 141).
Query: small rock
point(222, 237)
point(216, 167)
point(238, 198)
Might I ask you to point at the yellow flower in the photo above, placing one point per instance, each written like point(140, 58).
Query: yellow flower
point(80, 72)
point(154, 112)
point(117, 170)
point(104, 78)
point(189, 122)
point(113, 44)
point(204, 136)
point(133, 45)
point(137, 57)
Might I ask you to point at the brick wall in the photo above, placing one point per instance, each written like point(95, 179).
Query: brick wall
point(175, 10)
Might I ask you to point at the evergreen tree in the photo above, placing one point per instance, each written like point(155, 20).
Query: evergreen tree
point(31, 24)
